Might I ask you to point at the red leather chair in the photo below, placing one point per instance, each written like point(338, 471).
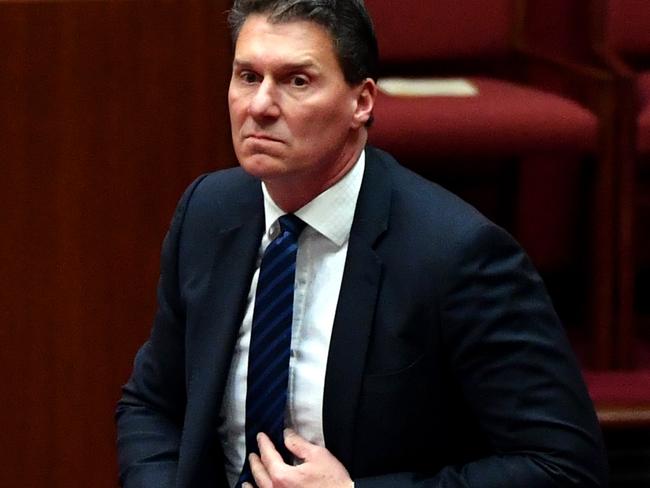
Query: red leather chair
point(513, 117)
point(474, 39)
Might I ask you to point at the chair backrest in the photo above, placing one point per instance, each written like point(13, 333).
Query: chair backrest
point(431, 30)
point(628, 27)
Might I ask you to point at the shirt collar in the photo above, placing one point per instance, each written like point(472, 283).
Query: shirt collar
point(318, 214)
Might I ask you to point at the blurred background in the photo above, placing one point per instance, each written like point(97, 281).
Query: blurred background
point(536, 111)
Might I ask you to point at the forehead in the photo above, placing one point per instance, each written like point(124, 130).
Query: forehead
point(261, 39)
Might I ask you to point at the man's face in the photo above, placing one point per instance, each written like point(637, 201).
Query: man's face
point(293, 115)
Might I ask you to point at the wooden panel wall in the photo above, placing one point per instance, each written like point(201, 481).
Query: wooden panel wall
point(107, 111)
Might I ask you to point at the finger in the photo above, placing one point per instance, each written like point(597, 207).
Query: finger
point(259, 472)
point(297, 445)
point(268, 453)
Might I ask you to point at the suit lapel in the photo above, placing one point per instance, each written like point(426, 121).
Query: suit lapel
point(215, 331)
point(355, 311)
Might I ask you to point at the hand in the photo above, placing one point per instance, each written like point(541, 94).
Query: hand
point(319, 468)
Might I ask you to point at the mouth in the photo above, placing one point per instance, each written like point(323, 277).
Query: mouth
point(262, 137)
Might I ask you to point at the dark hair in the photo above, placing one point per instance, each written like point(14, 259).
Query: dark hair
point(347, 21)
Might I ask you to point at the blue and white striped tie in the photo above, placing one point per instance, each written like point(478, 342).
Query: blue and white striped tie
point(268, 356)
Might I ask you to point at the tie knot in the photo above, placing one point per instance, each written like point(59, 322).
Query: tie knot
point(292, 224)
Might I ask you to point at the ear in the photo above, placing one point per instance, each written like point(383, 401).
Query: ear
point(365, 102)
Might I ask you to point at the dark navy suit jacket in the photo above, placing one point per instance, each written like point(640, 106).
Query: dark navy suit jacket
point(447, 366)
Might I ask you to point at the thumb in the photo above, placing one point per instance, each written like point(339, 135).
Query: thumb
point(297, 445)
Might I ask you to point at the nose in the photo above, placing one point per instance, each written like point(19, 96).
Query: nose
point(264, 103)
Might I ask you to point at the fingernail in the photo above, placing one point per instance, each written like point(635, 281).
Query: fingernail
point(288, 431)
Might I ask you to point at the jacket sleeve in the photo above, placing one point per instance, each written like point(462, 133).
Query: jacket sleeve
point(517, 373)
point(150, 412)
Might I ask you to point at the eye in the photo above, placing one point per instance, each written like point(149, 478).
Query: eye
point(249, 77)
point(299, 81)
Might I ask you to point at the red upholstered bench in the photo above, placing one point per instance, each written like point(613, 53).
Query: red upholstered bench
point(622, 398)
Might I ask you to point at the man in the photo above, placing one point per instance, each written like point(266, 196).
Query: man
point(423, 349)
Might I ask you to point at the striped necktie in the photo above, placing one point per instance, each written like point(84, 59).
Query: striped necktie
point(268, 355)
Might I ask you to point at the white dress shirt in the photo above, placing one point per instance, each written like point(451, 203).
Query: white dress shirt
point(322, 249)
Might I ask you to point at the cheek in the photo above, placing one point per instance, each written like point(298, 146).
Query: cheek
point(330, 124)
point(236, 109)
point(235, 115)
point(337, 113)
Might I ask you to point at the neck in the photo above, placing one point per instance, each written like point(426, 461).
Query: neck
point(293, 195)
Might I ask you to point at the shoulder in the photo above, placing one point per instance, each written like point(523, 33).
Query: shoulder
point(223, 187)
point(222, 195)
point(423, 208)
point(214, 202)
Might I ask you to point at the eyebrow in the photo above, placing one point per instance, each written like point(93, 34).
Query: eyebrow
point(290, 66)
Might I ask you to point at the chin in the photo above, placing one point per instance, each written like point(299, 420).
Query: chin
point(262, 166)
